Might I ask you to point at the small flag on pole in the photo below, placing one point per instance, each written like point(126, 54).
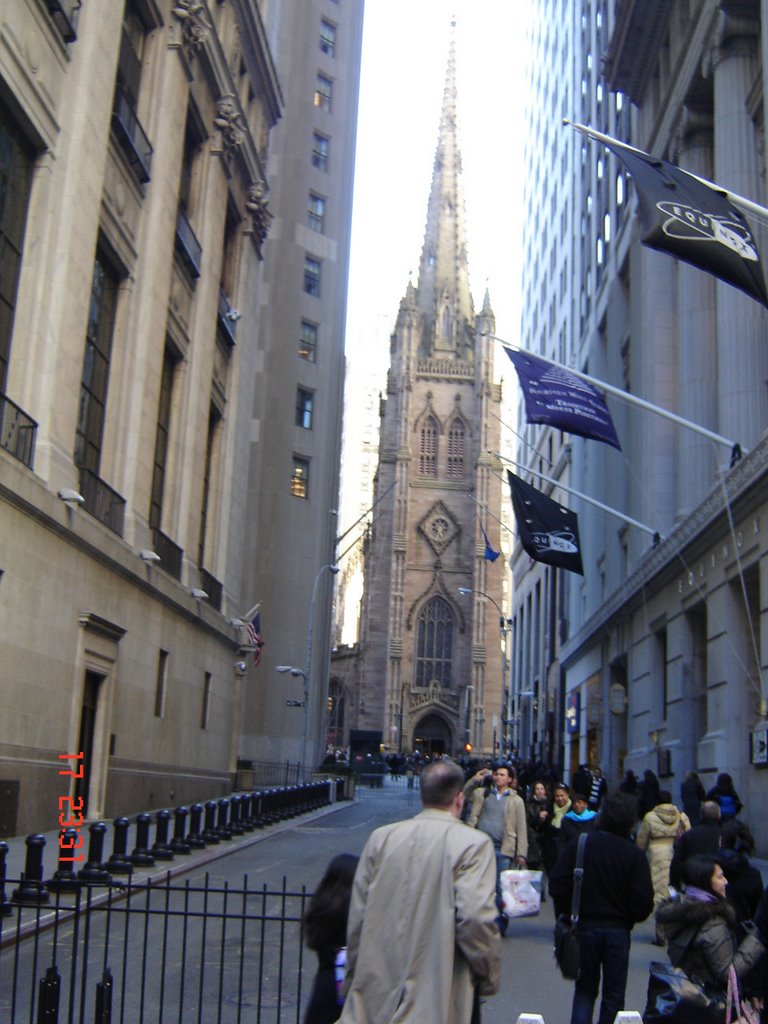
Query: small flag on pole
point(490, 555)
point(253, 637)
point(693, 221)
point(555, 396)
point(548, 531)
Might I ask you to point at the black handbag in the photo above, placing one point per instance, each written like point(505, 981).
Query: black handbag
point(567, 953)
point(673, 996)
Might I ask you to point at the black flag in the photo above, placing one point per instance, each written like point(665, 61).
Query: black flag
point(556, 396)
point(547, 531)
point(694, 222)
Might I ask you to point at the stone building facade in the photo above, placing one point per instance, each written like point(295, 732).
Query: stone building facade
point(664, 656)
point(135, 212)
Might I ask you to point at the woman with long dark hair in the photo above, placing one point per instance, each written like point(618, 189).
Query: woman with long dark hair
point(701, 928)
point(325, 932)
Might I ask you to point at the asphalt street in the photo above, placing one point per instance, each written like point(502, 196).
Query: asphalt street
point(299, 850)
point(531, 982)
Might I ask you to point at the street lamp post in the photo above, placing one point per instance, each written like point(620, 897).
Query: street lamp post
point(306, 674)
point(503, 624)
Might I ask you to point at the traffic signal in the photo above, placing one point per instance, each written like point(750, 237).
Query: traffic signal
point(468, 747)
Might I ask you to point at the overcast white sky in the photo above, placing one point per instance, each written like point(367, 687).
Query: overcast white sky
point(405, 52)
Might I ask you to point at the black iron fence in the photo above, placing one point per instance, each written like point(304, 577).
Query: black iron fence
point(140, 953)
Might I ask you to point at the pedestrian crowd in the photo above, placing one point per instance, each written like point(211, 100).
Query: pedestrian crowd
point(412, 932)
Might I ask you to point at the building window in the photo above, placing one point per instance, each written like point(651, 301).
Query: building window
point(304, 403)
point(428, 448)
point(308, 341)
point(320, 144)
point(434, 643)
point(162, 439)
point(214, 418)
point(95, 377)
point(130, 133)
point(456, 449)
point(300, 477)
point(205, 711)
point(16, 161)
point(323, 93)
point(160, 682)
point(328, 38)
point(316, 212)
point(311, 276)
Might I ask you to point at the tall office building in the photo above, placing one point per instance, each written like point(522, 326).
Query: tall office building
point(296, 419)
point(430, 660)
point(662, 654)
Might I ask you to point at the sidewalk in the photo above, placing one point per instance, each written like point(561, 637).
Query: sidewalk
point(181, 863)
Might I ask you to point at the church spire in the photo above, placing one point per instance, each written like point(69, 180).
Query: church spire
point(445, 301)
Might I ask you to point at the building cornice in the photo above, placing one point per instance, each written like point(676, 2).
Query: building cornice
point(747, 486)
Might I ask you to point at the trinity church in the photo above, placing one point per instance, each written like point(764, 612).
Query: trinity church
point(429, 672)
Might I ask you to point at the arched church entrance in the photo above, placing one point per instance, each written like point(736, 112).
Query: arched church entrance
point(432, 735)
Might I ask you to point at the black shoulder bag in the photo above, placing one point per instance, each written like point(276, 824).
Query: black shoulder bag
point(676, 996)
point(566, 939)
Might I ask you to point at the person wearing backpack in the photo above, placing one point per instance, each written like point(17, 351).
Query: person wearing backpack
point(724, 794)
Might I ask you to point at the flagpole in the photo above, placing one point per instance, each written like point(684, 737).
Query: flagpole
point(736, 450)
point(249, 615)
point(584, 497)
point(608, 140)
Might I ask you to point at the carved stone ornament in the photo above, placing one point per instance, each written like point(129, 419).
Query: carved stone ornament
point(256, 205)
point(228, 122)
point(194, 22)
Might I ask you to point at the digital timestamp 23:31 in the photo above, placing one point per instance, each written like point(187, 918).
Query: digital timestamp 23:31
point(71, 818)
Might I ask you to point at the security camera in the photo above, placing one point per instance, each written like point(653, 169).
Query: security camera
point(240, 666)
point(71, 497)
point(234, 315)
point(147, 555)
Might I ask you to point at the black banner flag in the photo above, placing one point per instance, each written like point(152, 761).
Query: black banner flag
point(694, 222)
point(548, 531)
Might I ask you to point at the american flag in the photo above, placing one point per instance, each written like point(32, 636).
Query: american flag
point(253, 637)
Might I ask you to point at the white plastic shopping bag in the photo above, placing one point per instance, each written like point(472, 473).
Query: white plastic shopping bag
point(521, 892)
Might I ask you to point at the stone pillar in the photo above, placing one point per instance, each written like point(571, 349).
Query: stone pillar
point(742, 357)
point(698, 336)
point(654, 375)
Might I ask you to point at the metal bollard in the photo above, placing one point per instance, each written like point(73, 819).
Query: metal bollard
point(6, 907)
point(195, 838)
point(95, 872)
point(119, 863)
point(31, 891)
point(210, 835)
point(65, 877)
point(221, 821)
point(179, 844)
point(141, 856)
point(161, 850)
point(246, 812)
point(235, 825)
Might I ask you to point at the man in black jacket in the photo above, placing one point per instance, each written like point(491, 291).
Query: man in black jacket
point(702, 838)
point(616, 894)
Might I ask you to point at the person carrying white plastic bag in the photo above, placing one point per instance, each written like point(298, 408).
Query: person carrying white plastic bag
point(521, 893)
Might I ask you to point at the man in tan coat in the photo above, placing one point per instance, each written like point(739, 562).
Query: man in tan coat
point(421, 934)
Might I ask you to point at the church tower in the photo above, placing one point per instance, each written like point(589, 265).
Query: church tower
point(431, 658)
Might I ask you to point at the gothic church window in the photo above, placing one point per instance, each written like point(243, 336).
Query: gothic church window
point(428, 448)
point(434, 643)
point(456, 449)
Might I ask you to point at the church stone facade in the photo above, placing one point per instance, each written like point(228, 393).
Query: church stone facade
point(430, 669)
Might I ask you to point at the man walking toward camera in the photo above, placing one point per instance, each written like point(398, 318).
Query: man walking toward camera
point(499, 811)
point(616, 894)
point(421, 938)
